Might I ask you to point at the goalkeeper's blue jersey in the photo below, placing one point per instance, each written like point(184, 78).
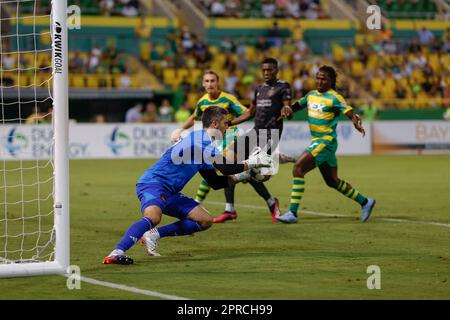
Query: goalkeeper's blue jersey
point(182, 161)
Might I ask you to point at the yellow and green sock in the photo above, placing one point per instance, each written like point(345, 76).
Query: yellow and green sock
point(347, 190)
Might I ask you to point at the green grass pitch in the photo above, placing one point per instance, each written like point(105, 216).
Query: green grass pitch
point(321, 257)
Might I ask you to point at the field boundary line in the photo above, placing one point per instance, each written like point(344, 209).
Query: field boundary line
point(340, 215)
point(129, 289)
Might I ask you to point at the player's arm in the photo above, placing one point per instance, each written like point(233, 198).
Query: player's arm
point(234, 172)
point(357, 122)
point(300, 104)
point(259, 159)
point(288, 110)
point(247, 115)
point(342, 105)
point(217, 182)
point(189, 122)
point(230, 168)
point(286, 96)
point(238, 110)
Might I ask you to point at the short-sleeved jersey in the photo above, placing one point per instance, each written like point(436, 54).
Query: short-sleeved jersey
point(182, 161)
point(324, 110)
point(268, 101)
point(225, 100)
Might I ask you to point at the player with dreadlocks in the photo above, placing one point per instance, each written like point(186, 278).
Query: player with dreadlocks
point(324, 108)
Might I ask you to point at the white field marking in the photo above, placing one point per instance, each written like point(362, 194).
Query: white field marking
point(129, 289)
point(339, 215)
point(433, 223)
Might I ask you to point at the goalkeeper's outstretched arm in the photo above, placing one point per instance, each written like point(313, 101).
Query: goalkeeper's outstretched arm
point(219, 182)
point(258, 159)
point(215, 181)
point(230, 168)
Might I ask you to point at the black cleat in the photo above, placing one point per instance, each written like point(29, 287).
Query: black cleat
point(118, 259)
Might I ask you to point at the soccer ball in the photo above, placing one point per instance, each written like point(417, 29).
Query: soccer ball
point(260, 174)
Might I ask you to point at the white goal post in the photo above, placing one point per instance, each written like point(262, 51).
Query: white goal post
point(29, 247)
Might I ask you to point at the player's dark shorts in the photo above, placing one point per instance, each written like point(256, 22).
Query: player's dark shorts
point(154, 194)
point(245, 144)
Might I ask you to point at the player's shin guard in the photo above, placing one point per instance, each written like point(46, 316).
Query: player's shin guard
point(347, 190)
point(180, 228)
point(202, 191)
point(298, 188)
point(134, 233)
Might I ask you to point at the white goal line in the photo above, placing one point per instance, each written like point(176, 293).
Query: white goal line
point(129, 289)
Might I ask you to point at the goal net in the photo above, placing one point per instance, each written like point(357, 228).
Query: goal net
point(34, 221)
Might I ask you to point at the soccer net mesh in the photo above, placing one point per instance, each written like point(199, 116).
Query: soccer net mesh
point(26, 135)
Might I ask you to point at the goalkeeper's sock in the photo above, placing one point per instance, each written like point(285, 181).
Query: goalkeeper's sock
point(298, 188)
point(180, 228)
point(134, 233)
point(347, 190)
point(202, 191)
point(229, 207)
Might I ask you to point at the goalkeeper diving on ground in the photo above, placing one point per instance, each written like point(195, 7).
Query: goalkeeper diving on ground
point(159, 188)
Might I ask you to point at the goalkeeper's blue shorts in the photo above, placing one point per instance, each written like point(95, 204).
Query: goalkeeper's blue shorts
point(175, 205)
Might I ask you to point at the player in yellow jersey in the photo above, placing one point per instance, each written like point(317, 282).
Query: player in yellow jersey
point(324, 108)
point(215, 97)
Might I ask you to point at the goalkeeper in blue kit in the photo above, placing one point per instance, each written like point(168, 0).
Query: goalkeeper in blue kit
point(159, 188)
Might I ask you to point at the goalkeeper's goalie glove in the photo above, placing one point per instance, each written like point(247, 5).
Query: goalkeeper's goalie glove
point(242, 177)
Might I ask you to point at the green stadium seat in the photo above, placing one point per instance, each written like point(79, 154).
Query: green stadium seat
point(419, 9)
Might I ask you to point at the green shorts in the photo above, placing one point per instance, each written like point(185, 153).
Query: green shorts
point(324, 153)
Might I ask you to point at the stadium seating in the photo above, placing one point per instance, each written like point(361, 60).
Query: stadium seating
point(253, 9)
point(408, 9)
point(400, 73)
point(382, 74)
point(88, 7)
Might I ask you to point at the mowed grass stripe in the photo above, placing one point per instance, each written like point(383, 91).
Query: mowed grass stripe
point(253, 258)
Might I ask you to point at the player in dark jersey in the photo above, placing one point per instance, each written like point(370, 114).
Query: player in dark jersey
point(270, 98)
